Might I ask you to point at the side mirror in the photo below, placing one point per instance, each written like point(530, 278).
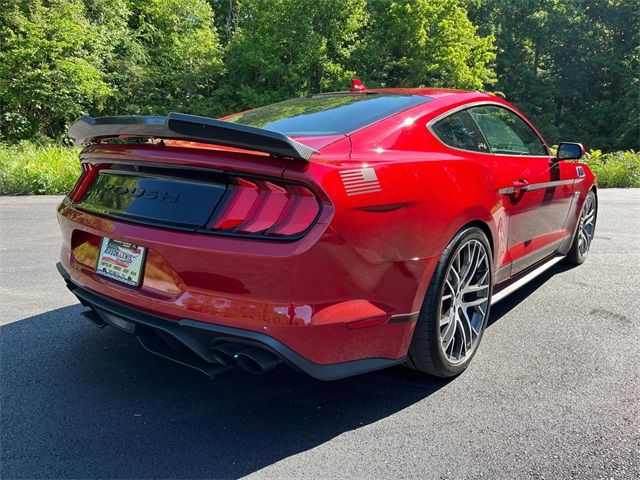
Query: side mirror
point(569, 151)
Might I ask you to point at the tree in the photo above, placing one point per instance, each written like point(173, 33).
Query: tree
point(286, 48)
point(522, 32)
point(123, 57)
point(65, 58)
point(182, 57)
point(226, 13)
point(573, 66)
point(570, 65)
point(596, 69)
point(49, 67)
point(430, 42)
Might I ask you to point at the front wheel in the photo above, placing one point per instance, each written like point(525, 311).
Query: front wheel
point(585, 231)
point(455, 310)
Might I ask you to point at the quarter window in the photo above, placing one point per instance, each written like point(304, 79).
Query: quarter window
point(461, 131)
point(506, 132)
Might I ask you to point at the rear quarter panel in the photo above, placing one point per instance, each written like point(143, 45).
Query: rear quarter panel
point(427, 193)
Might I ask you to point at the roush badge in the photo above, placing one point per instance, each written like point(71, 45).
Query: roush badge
point(360, 180)
point(140, 192)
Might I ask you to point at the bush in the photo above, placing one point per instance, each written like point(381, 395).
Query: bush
point(615, 170)
point(30, 168)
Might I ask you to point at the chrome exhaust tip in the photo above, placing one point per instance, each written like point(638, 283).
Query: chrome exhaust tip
point(256, 360)
point(224, 353)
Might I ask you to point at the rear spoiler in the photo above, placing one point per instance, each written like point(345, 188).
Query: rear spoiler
point(180, 126)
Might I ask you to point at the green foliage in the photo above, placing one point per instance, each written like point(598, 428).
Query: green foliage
point(424, 42)
point(123, 57)
point(618, 169)
point(28, 167)
point(63, 58)
point(49, 67)
point(226, 13)
point(182, 59)
point(573, 66)
point(286, 48)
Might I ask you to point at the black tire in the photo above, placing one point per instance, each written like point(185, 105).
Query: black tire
point(425, 352)
point(578, 255)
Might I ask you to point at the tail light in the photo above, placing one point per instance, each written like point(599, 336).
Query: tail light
point(266, 208)
point(88, 175)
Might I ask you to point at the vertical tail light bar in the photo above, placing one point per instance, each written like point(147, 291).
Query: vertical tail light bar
point(88, 175)
point(266, 208)
point(302, 211)
point(243, 197)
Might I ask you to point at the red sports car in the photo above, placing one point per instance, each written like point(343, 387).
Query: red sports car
point(339, 233)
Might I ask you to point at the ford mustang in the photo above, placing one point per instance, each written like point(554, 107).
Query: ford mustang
point(338, 234)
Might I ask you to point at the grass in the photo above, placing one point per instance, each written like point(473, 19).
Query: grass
point(32, 168)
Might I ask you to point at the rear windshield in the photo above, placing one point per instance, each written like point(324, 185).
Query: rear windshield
point(326, 114)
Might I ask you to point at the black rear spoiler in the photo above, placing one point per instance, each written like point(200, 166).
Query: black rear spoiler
point(179, 126)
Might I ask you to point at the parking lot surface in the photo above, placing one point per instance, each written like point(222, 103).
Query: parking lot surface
point(552, 393)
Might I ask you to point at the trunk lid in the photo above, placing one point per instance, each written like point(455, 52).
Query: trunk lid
point(197, 174)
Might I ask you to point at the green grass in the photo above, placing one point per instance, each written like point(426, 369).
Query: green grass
point(30, 168)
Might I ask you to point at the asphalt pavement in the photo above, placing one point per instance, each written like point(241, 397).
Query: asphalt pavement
point(553, 391)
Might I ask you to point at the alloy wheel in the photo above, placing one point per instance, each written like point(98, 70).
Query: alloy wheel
point(465, 301)
point(587, 225)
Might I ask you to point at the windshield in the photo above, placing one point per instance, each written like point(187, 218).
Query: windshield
point(326, 114)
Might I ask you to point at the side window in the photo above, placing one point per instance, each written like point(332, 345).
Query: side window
point(460, 131)
point(506, 132)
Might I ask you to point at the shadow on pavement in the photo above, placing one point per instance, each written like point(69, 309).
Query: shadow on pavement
point(82, 402)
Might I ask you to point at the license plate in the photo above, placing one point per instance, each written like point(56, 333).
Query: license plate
point(121, 261)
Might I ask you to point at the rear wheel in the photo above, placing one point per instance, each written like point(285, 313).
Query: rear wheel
point(585, 232)
point(455, 310)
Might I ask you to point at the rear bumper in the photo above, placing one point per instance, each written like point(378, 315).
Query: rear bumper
point(309, 295)
point(195, 338)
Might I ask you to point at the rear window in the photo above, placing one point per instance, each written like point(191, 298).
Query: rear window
point(326, 114)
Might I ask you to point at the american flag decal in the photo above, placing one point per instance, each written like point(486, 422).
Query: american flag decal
point(360, 180)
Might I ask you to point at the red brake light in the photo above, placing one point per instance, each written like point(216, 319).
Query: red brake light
point(264, 207)
point(267, 213)
point(302, 211)
point(244, 196)
point(88, 175)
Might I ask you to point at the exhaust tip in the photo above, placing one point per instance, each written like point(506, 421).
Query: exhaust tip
point(94, 318)
point(256, 360)
point(225, 353)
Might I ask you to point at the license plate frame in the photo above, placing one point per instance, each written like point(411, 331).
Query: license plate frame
point(121, 261)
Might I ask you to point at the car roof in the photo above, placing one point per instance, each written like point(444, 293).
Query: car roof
point(427, 92)
point(445, 96)
point(424, 91)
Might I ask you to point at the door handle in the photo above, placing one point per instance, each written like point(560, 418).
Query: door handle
point(517, 186)
point(521, 184)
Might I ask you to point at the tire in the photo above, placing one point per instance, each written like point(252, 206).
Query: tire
point(585, 231)
point(427, 352)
